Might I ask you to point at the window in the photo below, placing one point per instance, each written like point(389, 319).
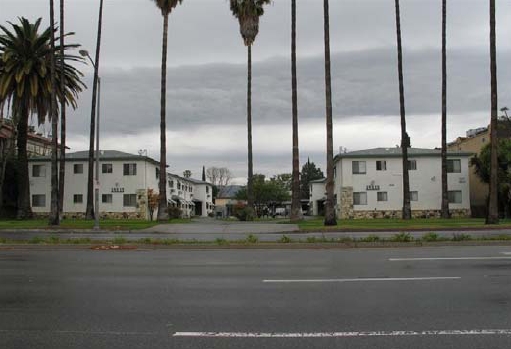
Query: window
point(207, 189)
point(106, 168)
point(381, 165)
point(130, 200)
point(359, 167)
point(414, 196)
point(454, 196)
point(130, 169)
point(171, 184)
point(454, 166)
point(412, 165)
point(335, 171)
point(381, 196)
point(77, 198)
point(157, 173)
point(38, 200)
point(106, 198)
point(360, 198)
point(38, 171)
point(179, 185)
point(77, 168)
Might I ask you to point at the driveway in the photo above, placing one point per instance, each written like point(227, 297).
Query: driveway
point(215, 226)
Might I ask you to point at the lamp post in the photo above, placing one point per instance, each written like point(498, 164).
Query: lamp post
point(85, 53)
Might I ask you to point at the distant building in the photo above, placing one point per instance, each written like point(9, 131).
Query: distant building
point(37, 144)
point(368, 184)
point(226, 200)
point(124, 183)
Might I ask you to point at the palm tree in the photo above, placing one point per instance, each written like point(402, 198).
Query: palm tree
point(445, 199)
point(329, 204)
point(493, 210)
point(54, 208)
point(248, 12)
point(295, 187)
point(25, 82)
point(89, 209)
point(62, 169)
point(405, 139)
point(166, 7)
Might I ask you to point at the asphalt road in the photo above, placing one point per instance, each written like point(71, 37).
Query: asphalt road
point(361, 298)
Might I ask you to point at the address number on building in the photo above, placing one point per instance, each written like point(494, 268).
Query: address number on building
point(117, 190)
point(372, 187)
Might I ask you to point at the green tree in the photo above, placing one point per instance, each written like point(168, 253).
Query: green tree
point(405, 139)
point(493, 210)
point(296, 207)
point(248, 12)
point(445, 199)
point(267, 193)
point(285, 180)
point(165, 7)
point(482, 166)
point(89, 208)
point(25, 82)
point(329, 203)
point(309, 173)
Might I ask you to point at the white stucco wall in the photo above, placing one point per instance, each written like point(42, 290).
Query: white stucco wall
point(425, 180)
point(317, 192)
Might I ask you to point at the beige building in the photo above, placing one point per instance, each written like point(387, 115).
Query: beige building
point(475, 140)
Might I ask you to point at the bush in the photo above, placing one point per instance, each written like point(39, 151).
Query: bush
point(221, 241)
point(174, 212)
point(370, 238)
point(252, 239)
point(119, 240)
point(430, 237)
point(243, 212)
point(285, 239)
point(461, 237)
point(401, 237)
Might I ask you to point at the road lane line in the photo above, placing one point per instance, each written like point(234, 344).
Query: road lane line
point(363, 279)
point(108, 333)
point(509, 253)
point(343, 334)
point(445, 259)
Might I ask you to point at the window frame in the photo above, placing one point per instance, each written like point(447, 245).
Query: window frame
point(383, 165)
point(106, 167)
point(412, 195)
point(412, 165)
point(357, 167)
point(129, 169)
point(452, 198)
point(130, 204)
point(450, 165)
point(36, 203)
point(104, 196)
point(382, 193)
point(77, 168)
point(360, 194)
point(41, 173)
point(77, 198)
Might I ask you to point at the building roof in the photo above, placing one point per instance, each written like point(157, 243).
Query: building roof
point(396, 152)
point(104, 155)
point(197, 181)
point(321, 180)
point(229, 191)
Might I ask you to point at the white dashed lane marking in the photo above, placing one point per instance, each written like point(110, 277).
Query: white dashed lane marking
point(362, 279)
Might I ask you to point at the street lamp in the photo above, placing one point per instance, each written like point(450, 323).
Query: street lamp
point(85, 53)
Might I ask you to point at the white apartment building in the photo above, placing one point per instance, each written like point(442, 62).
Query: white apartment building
point(369, 183)
point(124, 183)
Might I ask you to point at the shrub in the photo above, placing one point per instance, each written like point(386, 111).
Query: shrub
point(243, 212)
point(174, 212)
point(461, 237)
point(119, 240)
point(221, 241)
point(285, 239)
point(145, 241)
point(252, 239)
point(54, 240)
point(345, 239)
point(370, 238)
point(401, 237)
point(169, 241)
point(430, 237)
point(311, 239)
point(36, 240)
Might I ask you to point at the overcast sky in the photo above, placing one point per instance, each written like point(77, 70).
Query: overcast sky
point(206, 93)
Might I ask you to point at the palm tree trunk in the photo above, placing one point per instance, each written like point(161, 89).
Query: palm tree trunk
point(89, 211)
point(24, 208)
point(162, 203)
point(329, 204)
point(295, 187)
point(250, 181)
point(445, 199)
point(54, 209)
point(405, 140)
point(493, 210)
point(62, 169)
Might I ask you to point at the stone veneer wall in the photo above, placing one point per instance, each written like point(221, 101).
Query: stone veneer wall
point(346, 209)
point(458, 213)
